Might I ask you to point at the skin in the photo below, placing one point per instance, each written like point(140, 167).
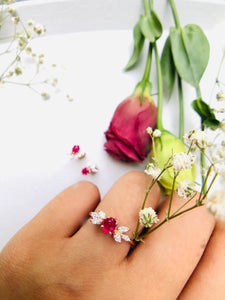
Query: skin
point(60, 255)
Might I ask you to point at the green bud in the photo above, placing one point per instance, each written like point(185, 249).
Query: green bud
point(163, 148)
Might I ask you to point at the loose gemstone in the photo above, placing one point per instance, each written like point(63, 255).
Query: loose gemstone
point(109, 225)
point(85, 171)
point(75, 149)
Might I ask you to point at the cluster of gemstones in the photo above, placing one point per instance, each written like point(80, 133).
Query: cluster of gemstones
point(109, 226)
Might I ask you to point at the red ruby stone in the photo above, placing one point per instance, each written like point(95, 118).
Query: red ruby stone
point(75, 149)
point(108, 225)
point(85, 171)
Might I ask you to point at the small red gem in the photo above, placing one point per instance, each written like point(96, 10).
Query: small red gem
point(85, 171)
point(108, 225)
point(75, 149)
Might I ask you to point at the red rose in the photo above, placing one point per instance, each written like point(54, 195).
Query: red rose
point(126, 137)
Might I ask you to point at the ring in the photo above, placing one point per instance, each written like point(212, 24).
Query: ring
point(109, 226)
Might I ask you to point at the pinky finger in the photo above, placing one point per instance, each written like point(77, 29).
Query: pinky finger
point(208, 280)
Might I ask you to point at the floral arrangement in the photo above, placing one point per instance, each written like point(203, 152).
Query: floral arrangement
point(136, 131)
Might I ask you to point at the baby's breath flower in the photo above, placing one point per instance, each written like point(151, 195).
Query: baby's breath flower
point(30, 23)
point(196, 137)
point(157, 133)
point(149, 130)
point(148, 217)
point(11, 11)
point(182, 161)
point(54, 81)
point(18, 71)
point(22, 41)
point(216, 204)
point(9, 74)
point(39, 29)
point(28, 50)
point(15, 20)
point(220, 96)
point(152, 170)
point(185, 189)
point(45, 96)
point(70, 98)
point(41, 60)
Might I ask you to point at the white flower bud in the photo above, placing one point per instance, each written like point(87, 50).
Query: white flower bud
point(157, 133)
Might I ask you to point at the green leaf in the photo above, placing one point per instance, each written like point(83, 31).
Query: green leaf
point(151, 26)
point(168, 67)
point(190, 49)
point(138, 45)
point(206, 113)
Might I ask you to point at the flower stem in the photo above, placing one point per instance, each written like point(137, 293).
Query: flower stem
point(175, 14)
point(148, 64)
point(146, 8)
point(202, 156)
point(159, 124)
point(181, 103)
point(171, 196)
point(166, 220)
point(143, 205)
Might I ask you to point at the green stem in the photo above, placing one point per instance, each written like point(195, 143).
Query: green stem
point(182, 206)
point(200, 201)
point(151, 4)
point(181, 104)
point(202, 155)
point(148, 64)
point(146, 8)
point(143, 205)
point(146, 196)
point(171, 196)
point(159, 124)
point(175, 14)
point(164, 221)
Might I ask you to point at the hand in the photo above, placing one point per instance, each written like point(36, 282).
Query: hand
point(60, 255)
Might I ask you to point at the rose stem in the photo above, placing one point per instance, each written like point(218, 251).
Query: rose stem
point(180, 88)
point(159, 124)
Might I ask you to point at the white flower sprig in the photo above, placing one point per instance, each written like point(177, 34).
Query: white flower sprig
point(17, 47)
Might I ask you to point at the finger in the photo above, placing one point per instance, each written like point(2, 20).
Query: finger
point(67, 211)
point(122, 202)
point(208, 280)
point(169, 254)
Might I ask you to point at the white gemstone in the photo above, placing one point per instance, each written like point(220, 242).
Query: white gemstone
point(96, 221)
point(101, 214)
point(94, 215)
point(123, 229)
point(125, 237)
point(117, 237)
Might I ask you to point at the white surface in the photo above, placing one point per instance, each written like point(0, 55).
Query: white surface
point(37, 135)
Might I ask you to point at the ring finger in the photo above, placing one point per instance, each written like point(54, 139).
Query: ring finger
point(123, 203)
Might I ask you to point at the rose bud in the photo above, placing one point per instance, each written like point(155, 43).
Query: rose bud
point(126, 136)
point(166, 146)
